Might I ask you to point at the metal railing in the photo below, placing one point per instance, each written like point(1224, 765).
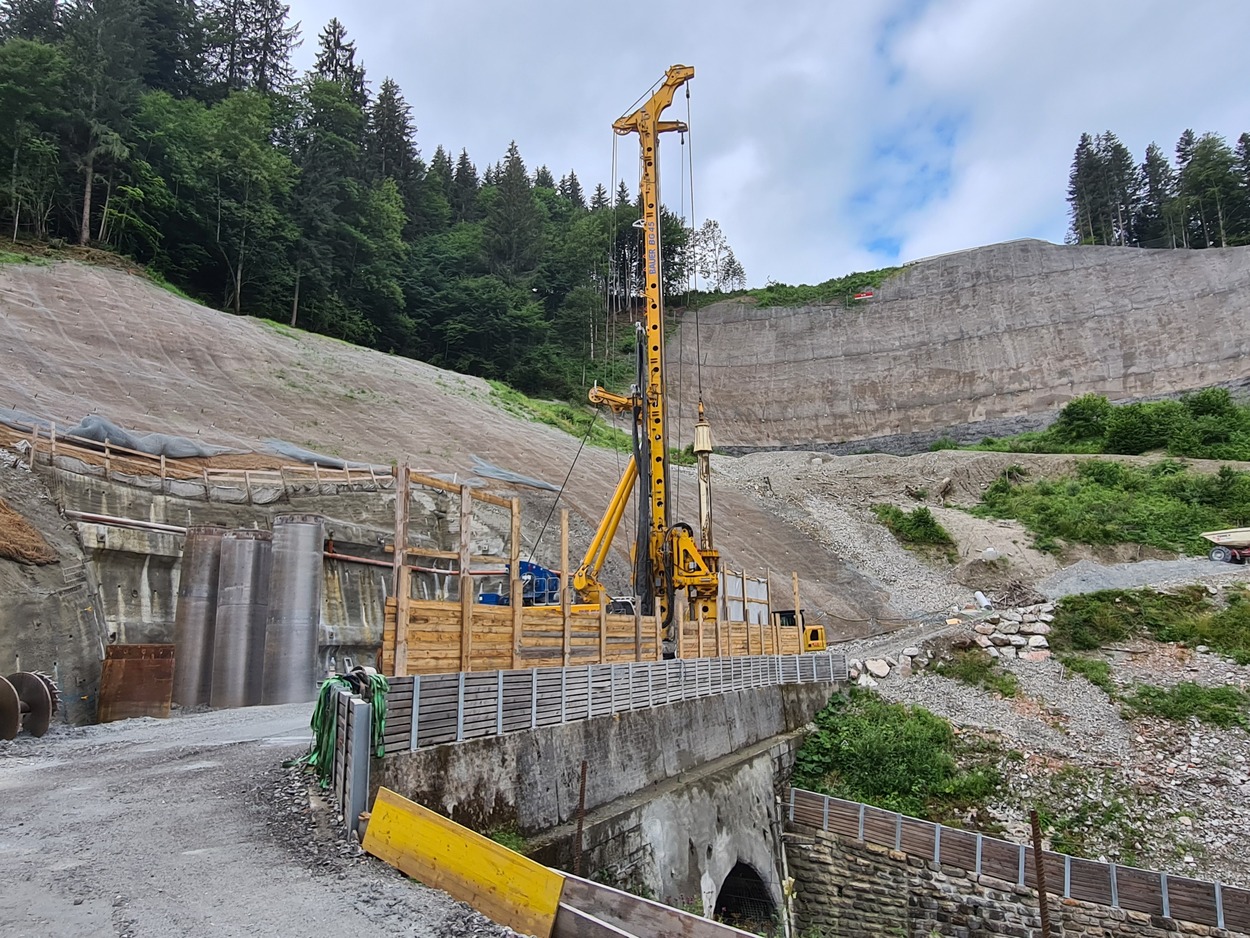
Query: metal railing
point(428, 710)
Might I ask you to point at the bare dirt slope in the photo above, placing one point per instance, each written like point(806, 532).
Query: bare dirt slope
point(987, 334)
point(77, 340)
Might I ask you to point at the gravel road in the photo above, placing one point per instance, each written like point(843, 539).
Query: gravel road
point(189, 826)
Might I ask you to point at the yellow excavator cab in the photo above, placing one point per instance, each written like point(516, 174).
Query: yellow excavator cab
point(812, 636)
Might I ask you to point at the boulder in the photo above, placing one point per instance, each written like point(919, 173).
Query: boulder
point(1000, 640)
point(877, 667)
point(1009, 628)
point(866, 681)
point(984, 641)
point(1007, 652)
point(983, 628)
point(1018, 641)
point(1038, 641)
point(911, 651)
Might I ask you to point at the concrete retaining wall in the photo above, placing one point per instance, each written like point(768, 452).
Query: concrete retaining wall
point(531, 780)
point(998, 332)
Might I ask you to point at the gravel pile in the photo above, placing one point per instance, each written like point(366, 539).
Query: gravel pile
point(1087, 576)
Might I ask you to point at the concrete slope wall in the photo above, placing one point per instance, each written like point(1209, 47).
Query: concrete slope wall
point(1002, 331)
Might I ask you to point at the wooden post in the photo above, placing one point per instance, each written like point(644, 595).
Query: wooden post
point(515, 588)
point(108, 464)
point(603, 629)
point(746, 609)
point(400, 572)
point(637, 629)
point(700, 631)
point(798, 614)
point(659, 638)
point(466, 579)
point(162, 467)
point(54, 439)
point(34, 444)
point(565, 598)
point(680, 618)
point(720, 653)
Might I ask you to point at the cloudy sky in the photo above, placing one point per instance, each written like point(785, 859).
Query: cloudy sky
point(827, 136)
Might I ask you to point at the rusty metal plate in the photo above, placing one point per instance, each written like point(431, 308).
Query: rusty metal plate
point(136, 681)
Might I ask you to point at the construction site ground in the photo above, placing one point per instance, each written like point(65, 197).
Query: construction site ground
point(191, 826)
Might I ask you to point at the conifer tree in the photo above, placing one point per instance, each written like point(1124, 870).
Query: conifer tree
point(464, 189)
point(36, 20)
point(1155, 222)
point(622, 194)
point(514, 226)
point(571, 189)
point(543, 178)
point(599, 198)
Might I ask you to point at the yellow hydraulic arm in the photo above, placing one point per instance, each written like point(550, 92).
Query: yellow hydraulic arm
point(667, 557)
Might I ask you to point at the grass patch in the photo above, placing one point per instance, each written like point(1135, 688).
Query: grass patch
point(915, 528)
point(158, 278)
point(1164, 505)
point(893, 756)
point(1219, 706)
point(1089, 813)
point(835, 290)
point(508, 837)
point(573, 420)
point(1188, 615)
point(976, 668)
point(1094, 670)
point(9, 257)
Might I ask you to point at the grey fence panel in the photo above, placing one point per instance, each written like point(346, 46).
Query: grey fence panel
point(432, 709)
point(1106, 884)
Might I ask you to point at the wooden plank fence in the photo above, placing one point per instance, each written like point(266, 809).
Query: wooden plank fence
point(428, 710)
point(1107, 884)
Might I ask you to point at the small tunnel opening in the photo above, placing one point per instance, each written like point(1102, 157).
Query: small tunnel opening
point(745, 903)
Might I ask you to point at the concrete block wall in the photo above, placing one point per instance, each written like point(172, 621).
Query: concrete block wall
point(847, 888)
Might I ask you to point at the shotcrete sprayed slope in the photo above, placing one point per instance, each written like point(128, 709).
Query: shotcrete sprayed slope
point(1003, 331)
point(77, 340)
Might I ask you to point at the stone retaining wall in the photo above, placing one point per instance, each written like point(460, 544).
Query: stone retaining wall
point(847, 888)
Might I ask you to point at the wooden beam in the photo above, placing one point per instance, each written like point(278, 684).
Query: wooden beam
point(700, 654)
point(565, 586)
point(798, 619)
point(509, 888)
point(466, 579)
point(603, 628)
point(515, 588)
point(456, 488)
point(659, 638)
point(637, 629)
point(400, 574)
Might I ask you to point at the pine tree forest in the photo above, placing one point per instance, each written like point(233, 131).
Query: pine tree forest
point(1198, 199)
point(178, 133)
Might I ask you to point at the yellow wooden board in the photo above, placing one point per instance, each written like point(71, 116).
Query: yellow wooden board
point(498, 882)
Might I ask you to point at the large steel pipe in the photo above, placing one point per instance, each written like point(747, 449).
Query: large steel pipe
point(242, 605)
point(195, 616)
point(294, 609)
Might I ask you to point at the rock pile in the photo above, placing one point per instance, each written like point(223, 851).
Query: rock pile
point(1018, 633)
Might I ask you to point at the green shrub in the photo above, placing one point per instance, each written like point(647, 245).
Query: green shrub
point(976, 668)
point(890, 755)
point(1188, 615)
point(917, 526)
point(1207, 424)
point(944, 442)
point(1164, 505)
point(1220, 706)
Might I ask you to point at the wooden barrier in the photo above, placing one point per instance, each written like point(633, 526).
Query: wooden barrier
point(498, 882)
point(1107, 884)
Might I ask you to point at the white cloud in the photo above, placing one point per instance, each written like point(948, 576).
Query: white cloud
point(821, 130)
